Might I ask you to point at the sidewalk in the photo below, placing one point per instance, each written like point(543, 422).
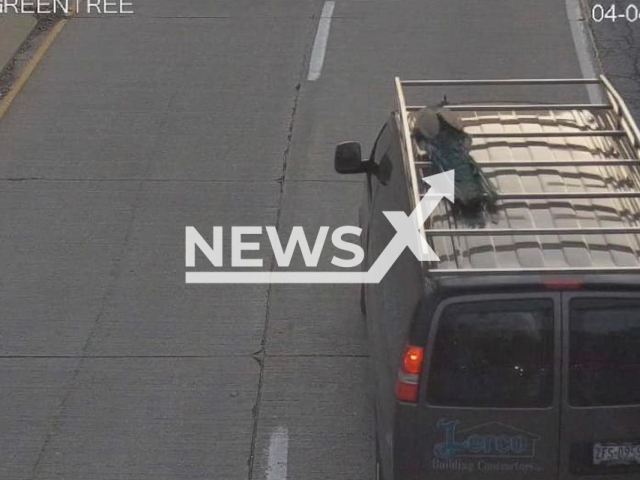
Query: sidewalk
point(14, 29)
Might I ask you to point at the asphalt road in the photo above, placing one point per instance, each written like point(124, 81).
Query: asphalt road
point(200, 113)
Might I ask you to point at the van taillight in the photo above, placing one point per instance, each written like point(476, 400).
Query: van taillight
point(409, 374)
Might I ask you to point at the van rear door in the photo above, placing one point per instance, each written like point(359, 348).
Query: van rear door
point(491, 389)
point(600, 415)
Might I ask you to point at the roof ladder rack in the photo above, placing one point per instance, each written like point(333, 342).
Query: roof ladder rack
point(619, 122)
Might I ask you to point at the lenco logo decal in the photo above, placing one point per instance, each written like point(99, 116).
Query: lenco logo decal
point(407, 235)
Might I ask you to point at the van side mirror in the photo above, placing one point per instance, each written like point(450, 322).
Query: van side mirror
point(348, 158)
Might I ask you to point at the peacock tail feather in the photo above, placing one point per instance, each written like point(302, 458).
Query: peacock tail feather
point(447, 147)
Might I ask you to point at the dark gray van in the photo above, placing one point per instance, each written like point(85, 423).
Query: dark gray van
point(517, 355)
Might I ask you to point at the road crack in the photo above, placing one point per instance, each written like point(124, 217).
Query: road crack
point(261, 355)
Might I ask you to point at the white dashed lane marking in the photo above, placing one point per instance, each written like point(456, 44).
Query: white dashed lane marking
point(320, 44)
point(278, 454)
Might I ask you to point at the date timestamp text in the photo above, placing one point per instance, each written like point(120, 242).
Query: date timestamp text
point(613, 12)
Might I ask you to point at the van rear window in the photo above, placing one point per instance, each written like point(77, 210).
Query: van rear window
point(493, 354)
point(604, 352)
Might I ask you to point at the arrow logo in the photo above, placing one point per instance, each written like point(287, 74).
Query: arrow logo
point(408, 228)
point(408, 235)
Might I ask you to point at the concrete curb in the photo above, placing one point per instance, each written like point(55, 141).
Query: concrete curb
point(586, 12)
point(30, 66)
point(14, 30)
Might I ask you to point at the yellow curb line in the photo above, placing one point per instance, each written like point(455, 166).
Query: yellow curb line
point(31, 65)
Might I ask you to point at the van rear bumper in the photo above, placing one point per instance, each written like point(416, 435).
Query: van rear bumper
point(408, 457)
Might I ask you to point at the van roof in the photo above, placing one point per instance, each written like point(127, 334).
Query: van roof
point(565, 176)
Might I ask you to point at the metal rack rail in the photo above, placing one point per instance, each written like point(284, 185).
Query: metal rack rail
point(625, 127)
point(554, 163)
point(491, 107)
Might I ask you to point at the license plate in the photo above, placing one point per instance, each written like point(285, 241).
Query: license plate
point(616, 454)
